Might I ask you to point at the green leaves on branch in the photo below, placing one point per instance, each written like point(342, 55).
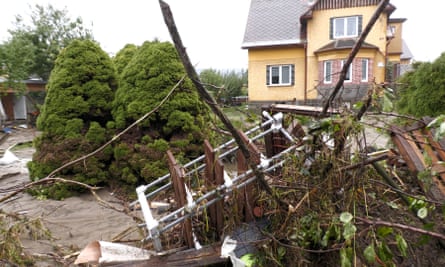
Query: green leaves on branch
point(33, 47)
point(422, 91)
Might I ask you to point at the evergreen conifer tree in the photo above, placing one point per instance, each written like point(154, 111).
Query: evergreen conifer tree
point(74, 116)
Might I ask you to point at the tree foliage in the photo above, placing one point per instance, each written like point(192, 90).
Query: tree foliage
point(178, 125)
point(17, 57)
point(224, 84)
point(75, 114)
point(422, 92)
point(123, 57)
point(33, 48)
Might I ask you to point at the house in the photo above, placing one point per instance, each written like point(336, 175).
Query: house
point(296, 49)
point(15, 106)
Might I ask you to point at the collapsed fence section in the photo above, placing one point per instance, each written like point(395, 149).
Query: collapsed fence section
point(208, 184)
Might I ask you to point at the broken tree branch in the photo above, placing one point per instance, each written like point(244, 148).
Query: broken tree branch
point(381, 7)
point(191, 72)
point(46, 181)
point(401, 226)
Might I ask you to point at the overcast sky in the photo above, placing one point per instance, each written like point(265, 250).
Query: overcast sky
point(212, 30)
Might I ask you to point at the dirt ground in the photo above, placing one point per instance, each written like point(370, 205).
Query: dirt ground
point(73, 222)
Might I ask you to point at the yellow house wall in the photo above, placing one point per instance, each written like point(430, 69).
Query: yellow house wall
point(395, 45)
point(394, 58)
point(258, 61)
point(318, 36)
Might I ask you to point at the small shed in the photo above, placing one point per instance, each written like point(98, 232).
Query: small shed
point(17, 106)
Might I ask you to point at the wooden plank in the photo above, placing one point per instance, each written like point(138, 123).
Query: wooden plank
point(312, 111)
point(210, 177)
point(412, 147)
point(436, 155)
point(219, 179)
point(206, 256)
point(255, 153)
point(268, 142)
point(214, 172)
point(434, 144)
point(408, 149)
point(415, 141)
point(246, 198)
point(177, 175)
point(242, 207)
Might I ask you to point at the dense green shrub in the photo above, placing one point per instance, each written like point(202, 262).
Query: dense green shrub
point(422, 91)
point(74, 116)
point(147, 79)
point(83, 110)
point(123, 57)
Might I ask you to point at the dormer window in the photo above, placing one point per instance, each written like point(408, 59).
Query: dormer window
point(346, 27)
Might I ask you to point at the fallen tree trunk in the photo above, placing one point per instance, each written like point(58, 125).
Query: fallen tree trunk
point(192, 74)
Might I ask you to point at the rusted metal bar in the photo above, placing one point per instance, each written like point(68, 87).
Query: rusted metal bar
point(177, 174)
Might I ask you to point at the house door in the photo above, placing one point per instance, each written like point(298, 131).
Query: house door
point(20, 107)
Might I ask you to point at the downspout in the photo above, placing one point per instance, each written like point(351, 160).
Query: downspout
point(305, 72)
point(387, 79)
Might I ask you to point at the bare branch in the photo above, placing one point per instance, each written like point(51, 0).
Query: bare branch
point(401, 226)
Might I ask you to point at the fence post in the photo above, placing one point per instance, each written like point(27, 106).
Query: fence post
point(177, 174)
point(246, 198)
point(214, 176)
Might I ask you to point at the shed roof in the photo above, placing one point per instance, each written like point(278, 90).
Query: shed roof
point(344, 44)
point(274, 22)
point(406, 52)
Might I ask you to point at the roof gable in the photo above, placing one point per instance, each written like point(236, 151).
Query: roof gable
point(337, 4)
point(274, 22)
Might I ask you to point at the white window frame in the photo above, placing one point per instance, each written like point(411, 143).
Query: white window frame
point(280, 75)
point(365, 70)
point(327, 77)
point(345, 34)
point(349, 72)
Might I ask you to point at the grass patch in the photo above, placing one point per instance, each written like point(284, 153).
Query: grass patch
point(22, 145)
point(241, 117)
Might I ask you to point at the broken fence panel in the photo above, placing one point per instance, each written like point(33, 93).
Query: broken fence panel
point(201, 158)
